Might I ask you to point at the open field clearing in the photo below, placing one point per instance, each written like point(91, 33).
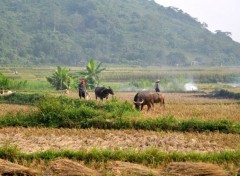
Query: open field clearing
point(30, 140)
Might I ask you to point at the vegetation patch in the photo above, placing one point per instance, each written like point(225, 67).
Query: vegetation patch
point(22, 98)
point(226, 94)
point(75, 113)
point(150, 156)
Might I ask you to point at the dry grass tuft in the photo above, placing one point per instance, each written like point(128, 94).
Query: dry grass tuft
point(8, 168)
point(69, 168)
point(14, 109)
point(193, 169)
point(125, 168)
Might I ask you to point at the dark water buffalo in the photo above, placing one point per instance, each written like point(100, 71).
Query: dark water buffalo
point(148, 98)
point(103, 92)
point(143, 98)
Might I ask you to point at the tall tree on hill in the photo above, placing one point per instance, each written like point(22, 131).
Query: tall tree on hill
point(92, 73)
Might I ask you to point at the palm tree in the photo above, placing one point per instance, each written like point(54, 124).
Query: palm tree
point(61, 79)
point(91, 75)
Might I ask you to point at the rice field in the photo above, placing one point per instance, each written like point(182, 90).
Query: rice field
point(185, 106)
point(30, 140)
point(179, 105)
point(182, 106)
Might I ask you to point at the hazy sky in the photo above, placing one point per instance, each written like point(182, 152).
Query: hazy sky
point(221, 15)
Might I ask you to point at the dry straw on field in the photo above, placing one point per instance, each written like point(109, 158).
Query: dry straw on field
point(41, 139)
point(8, 168)
point(65, 167)
point(126, 168)
point(193, 169)
point(14, 109)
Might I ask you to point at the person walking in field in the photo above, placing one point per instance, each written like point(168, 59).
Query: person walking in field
point(157, 89)
point(82, 89)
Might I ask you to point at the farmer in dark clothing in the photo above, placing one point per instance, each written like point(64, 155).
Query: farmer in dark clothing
point(82, 89)
point(157, 89)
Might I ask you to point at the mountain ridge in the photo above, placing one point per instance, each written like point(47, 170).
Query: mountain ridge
point(138, 32)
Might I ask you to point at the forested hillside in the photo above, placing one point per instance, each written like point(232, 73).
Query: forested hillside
point(70, 32)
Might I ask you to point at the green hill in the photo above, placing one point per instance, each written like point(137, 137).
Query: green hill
point(70, 32)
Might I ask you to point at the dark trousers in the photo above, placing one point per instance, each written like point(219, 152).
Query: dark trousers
point(157, 89)
point(82, 94)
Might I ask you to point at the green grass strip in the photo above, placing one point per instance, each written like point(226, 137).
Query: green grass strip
point(151, 156)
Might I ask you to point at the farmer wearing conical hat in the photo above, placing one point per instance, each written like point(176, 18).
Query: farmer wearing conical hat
point(157, 89)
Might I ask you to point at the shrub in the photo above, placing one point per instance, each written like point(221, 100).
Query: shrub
point(226, 94)
point(9, 151)
point(118, 108)
point(21, 98)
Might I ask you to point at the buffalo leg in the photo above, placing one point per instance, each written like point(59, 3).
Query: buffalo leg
point(152, 104)
point(149, 106)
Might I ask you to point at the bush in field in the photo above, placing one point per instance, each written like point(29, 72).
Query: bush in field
point(62, 112)
point(197, 125)
point(118, 108)
point(9, 151)
point(226, 94)
point(21, 98)
point(65, 112)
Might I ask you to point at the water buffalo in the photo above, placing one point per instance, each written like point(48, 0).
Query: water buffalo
point(103, 92)
point(148, 98)
point(159, 98)
point(143, 98)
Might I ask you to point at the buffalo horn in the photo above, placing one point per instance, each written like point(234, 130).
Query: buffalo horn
point(138, 102)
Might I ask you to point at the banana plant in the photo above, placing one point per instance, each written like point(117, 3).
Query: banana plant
point(92, 73)
point(61, 79)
